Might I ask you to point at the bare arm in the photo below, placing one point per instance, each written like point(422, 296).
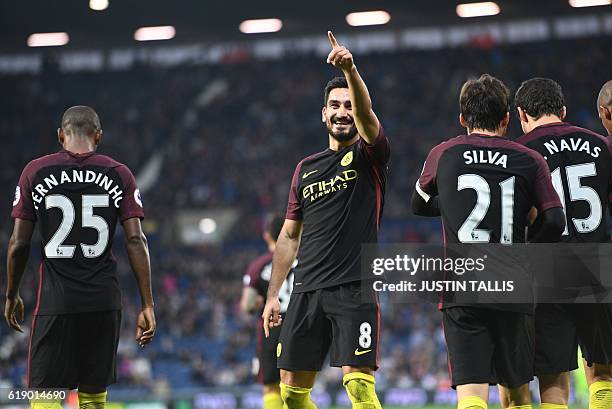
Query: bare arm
point(284, 255)
point(138, 254)
point(250, 300)
point(365, 119)
point(16, 260)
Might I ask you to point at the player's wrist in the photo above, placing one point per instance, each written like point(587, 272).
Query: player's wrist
point(350, 71)
point(272, 296)
point(12, 294)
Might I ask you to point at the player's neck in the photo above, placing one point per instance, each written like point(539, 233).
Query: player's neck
point(336, 145)
point(79, 147)
point(545, 120)
point(485, 132)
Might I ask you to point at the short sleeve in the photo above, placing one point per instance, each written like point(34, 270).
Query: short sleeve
point(23, 207)
point(426, 186)
point(294, 207)
point(131, 204)
point(546, 196)
point(251, 276)
point(380, 151)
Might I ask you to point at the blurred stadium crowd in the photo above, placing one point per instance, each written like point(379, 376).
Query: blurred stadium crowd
point(230, 136)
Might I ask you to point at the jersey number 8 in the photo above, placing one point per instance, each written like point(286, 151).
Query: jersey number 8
point(365, 335)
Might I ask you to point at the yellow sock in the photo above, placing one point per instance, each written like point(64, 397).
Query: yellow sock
point(541, 406)
point(295, 397)
point(600, 395)
point(472, 402)
point(272, 400)
point(550, 406)
point(92, 400)
point(360, 389)
point(55, 404)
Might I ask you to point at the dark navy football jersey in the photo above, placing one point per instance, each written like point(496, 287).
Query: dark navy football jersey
point(76, 201)
point(579, 162)
point(258, 276)
point(339, 195)
point(486, 186)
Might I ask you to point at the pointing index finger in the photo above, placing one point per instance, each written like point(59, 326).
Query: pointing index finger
point(332, 39)
point(266, 325)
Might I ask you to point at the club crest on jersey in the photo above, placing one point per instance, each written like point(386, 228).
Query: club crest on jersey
point(137, 197)
point(347, 159)
point(490, 157)
point(17, 196)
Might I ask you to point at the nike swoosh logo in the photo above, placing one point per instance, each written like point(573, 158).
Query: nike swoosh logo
point(358, 352)
point(305, 175)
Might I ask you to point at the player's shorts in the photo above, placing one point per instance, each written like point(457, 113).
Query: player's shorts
point(335, 320)
point(560, 328)
point(74, 349)
point(489, 346)
point(268, 373)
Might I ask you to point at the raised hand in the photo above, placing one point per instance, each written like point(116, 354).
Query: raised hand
point(340, 57)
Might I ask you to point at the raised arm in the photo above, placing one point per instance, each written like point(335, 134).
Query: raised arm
point(365, 119)
point(284, 255)
point(138, 254)
point(16, 260)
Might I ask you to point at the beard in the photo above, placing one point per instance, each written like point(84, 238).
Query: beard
point(342, 136)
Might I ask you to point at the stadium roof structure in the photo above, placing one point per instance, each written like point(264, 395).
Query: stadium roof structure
point(216, 20)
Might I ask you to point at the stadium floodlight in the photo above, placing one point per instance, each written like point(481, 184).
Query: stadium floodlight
point(368, 18)
point(589, 3)
point(48, 39)
point(486, 8)
point(154, 33)
point(264, 25)
point(98, 5)
point(208, 225)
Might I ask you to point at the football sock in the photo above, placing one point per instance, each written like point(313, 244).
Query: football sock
point(360, 389)
point(550, 406)
point(472, 402)
point(542, 406)
point(92, 400)
point(272, 400)
point(600, 395)
point(295, 397)
point(50, 404)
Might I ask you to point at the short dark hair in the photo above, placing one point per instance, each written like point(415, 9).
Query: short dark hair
point(605, 95)
point(539, 97)
point(274, 225)
point(484, 102)
point(336, 82)
point(81, 120)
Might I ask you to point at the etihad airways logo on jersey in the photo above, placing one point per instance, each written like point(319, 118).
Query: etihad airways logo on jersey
point(321, 188)
point(77, 176)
